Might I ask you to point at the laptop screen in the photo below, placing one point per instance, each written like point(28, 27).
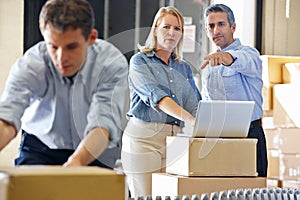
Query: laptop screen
point(226, 119)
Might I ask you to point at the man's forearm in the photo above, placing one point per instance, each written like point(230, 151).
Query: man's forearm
point(7, 133)
point(90, 148)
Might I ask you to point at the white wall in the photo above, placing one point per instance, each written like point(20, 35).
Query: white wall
point(11, 47)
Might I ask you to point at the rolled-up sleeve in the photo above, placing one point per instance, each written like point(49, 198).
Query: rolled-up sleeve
point(143, 81)
point(24, 83)
point(110, 98)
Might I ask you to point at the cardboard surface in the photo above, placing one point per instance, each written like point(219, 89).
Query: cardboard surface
point(272, 67)
point(283, 166)
point(170, 185)
point(289, 166)
point(267, 94)
point(284, 154)
point(211, 156)
point(272, 137)
point(273, 164)
point(56, 182)
point(288, 140)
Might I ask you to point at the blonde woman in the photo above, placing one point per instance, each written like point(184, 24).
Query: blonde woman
point(164, 99)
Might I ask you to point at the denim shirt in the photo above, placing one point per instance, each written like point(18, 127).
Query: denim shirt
point(60, 111)
point(151, 79)
point(240, 81)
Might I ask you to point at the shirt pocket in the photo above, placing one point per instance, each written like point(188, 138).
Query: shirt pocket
point(231, 79)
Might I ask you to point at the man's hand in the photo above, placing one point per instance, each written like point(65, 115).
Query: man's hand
point(218, 58)
point(90, 148)
point(72, 162)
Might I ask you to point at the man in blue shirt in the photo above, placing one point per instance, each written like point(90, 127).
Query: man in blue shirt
point(235, 73)
point(67, 93)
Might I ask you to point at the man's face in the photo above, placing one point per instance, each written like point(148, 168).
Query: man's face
point(218, 29)
point(68, 50)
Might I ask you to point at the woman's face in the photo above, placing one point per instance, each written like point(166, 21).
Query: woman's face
point(168, 33)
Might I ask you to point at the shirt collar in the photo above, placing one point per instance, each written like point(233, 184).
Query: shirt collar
point(62, 79)
point(152, 54)
point(233, 45)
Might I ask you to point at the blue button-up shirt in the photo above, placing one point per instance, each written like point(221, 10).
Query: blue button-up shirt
point(240, 81)
point(151, 79)
point(61, 111)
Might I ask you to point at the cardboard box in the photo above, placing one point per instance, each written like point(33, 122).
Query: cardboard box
point(211, 156)
point(272, 67)
point(267, 94)
point(284, 139)
point(55, 182)
point(291, 73)
point(286, 110)
point(294, 184)
point(272, 137)
point(171, 185)
point(288, 140)
point(283, 166)
point(289, 166)
point(273, 164)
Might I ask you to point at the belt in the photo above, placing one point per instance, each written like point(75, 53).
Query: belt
point(158, 126)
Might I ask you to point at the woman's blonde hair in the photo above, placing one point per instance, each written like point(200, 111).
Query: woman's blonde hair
point(151, 41)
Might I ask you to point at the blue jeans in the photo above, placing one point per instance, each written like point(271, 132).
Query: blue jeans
point(34, 152)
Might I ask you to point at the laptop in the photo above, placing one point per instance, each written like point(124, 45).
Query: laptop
point(225, 119)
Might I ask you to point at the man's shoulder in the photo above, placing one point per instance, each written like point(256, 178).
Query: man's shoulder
point(35, 58)
point(106, 46)
point(106, 51)
point(238, 45)
point(38, 49)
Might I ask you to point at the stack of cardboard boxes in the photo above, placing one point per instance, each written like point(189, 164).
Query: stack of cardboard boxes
point(206, 165)
point(281, 76)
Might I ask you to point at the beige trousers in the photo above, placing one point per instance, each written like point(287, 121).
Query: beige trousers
point(144, 153)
